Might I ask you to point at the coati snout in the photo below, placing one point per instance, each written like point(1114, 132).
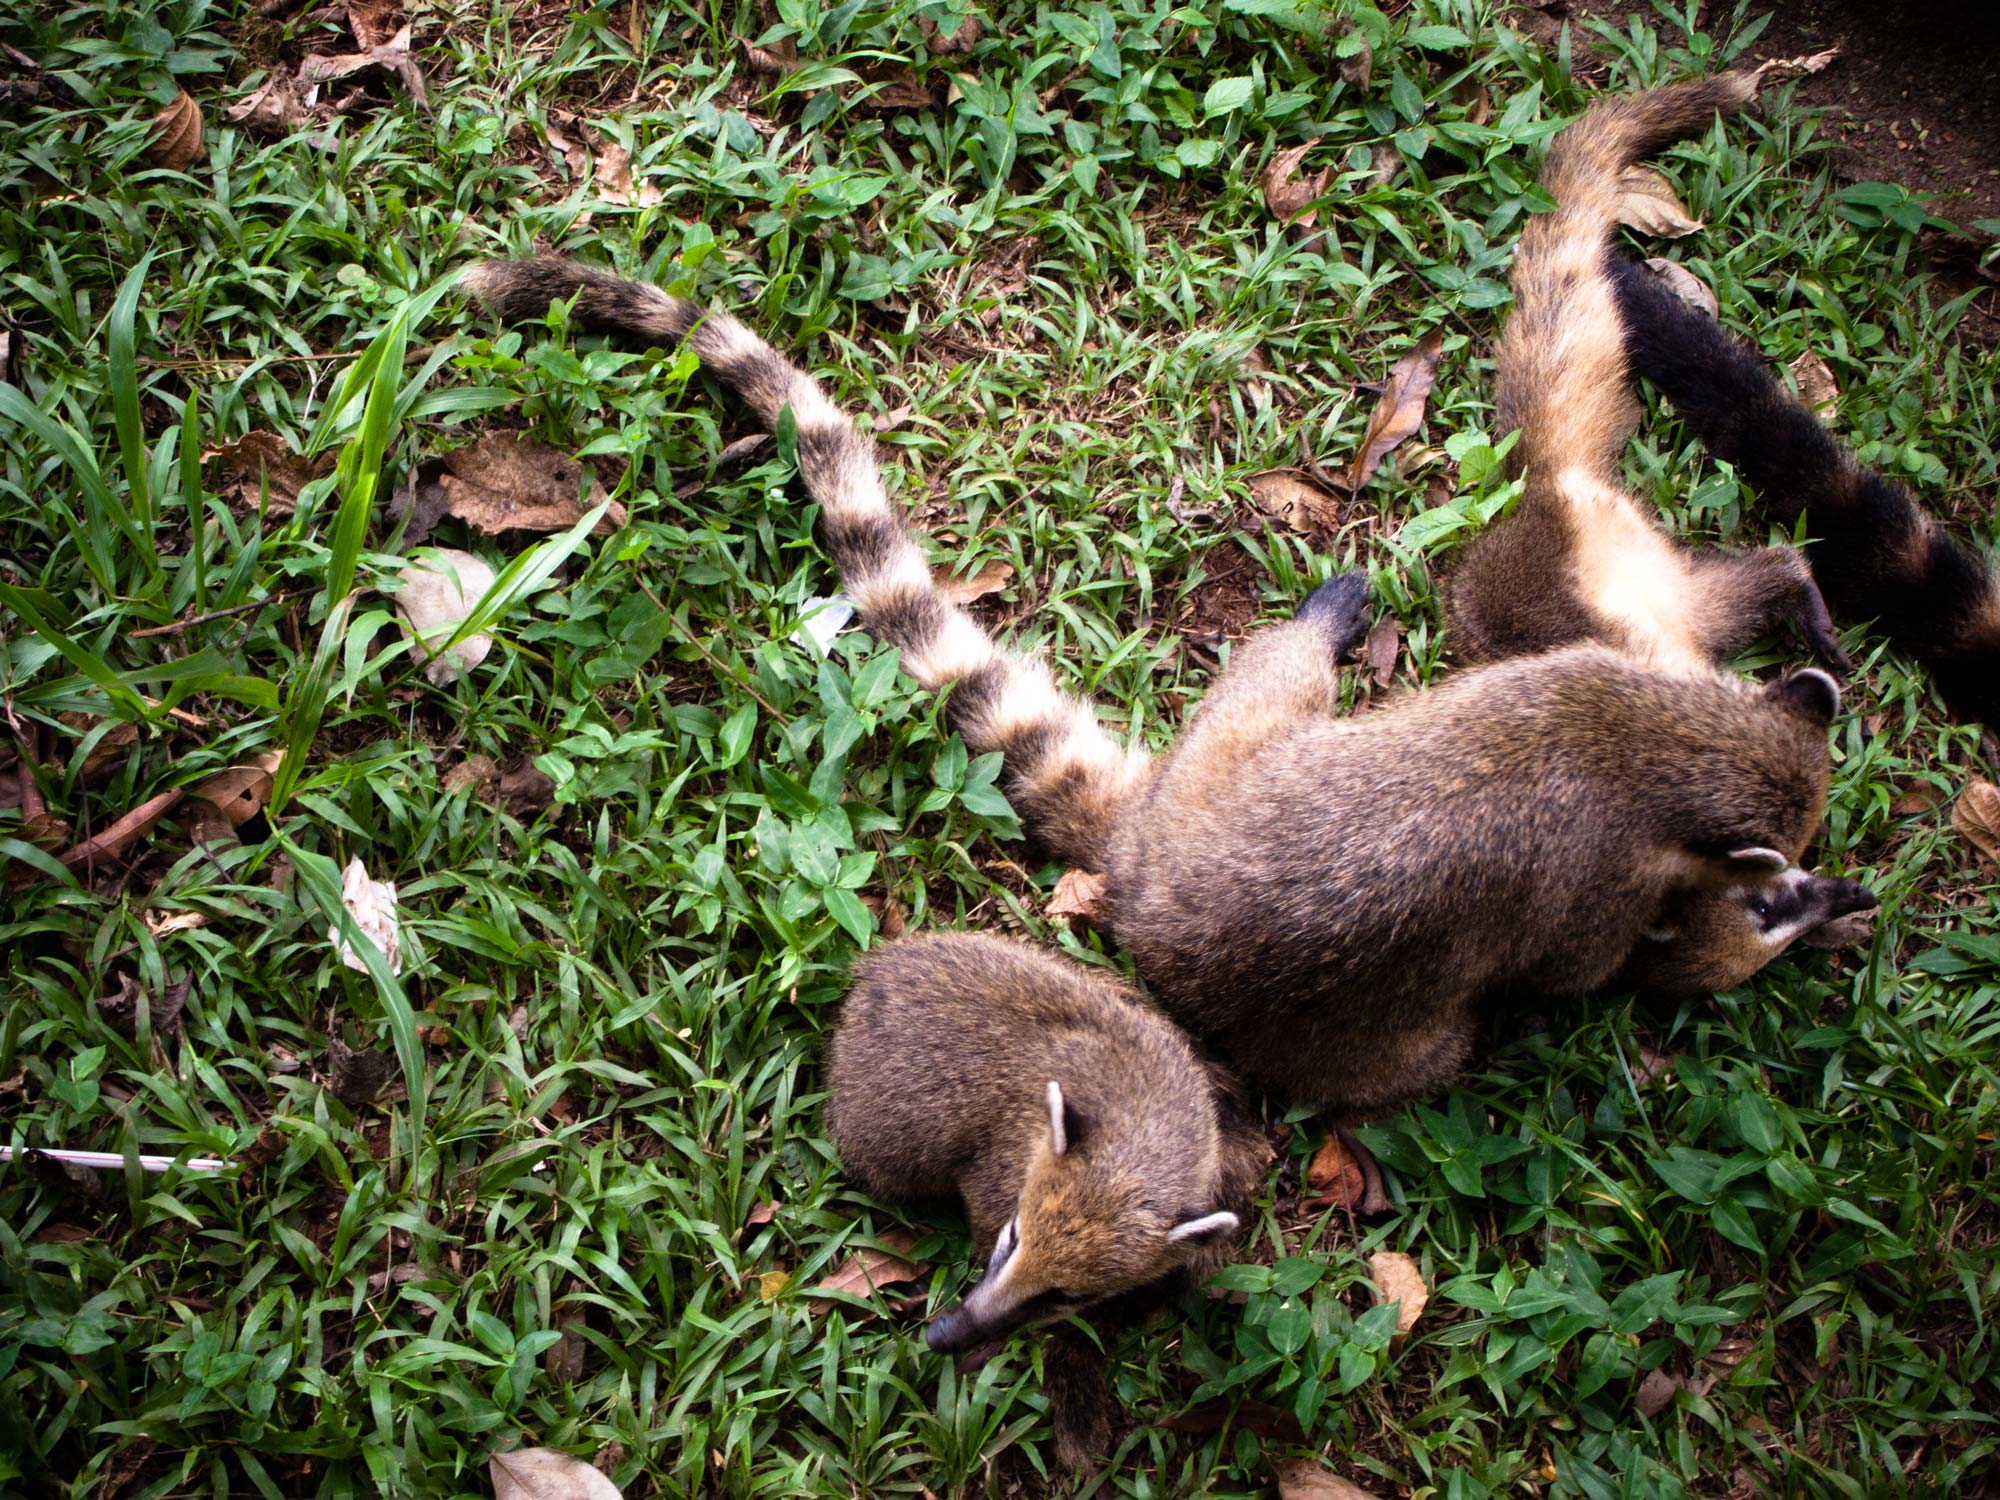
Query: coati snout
point(1713, 941)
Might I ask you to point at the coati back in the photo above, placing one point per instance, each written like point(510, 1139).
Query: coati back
point(1327, 899)
point(1876, 553)
point(1581, 558)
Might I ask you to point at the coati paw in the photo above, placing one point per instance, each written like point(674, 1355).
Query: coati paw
point(1340, 608)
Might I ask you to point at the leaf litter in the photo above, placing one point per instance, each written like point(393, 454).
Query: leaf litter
point(176, 142)
point(547, 1474)
point(871, 1268)
point(1400, 411)
point(1649, 204)
point(502, 481)
point(441, 588)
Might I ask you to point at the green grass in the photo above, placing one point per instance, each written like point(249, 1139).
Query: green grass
point(610, 1010)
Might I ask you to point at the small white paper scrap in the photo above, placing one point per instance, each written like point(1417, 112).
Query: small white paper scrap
point(824, 619)
point(372, 903)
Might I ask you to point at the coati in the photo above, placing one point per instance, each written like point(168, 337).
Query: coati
point(1099, 1159)
point(1580, 557)
point(1877, 554)
point(1324, 899)
point(1710, 941)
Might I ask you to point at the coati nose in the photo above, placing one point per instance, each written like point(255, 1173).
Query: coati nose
point(950, 1331)
point(1851, 896)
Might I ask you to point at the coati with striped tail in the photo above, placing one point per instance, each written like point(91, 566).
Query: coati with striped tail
point(1326, 899)
point(1581, 558)
point(1876, 553)
point(1102, 1164)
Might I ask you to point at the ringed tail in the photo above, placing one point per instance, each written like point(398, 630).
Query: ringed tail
point(1064, 773)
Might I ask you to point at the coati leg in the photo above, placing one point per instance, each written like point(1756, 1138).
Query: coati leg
point(1743, 595)
point(1876, 553)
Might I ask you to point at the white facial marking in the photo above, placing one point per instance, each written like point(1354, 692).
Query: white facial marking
point(1058, 1135)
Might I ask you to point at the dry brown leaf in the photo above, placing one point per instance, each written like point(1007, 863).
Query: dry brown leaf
point(1384, 646)
point(478, 771)
point(1335, 1178)
point(1976, 816)
point(1922, 798)
point(1478, 103)
point(1654, 1064)
point(180, 921)
point(1078, 893)
point(563, 1360)
point(871, 1269)
point(763, 1213)
point(356, 1074)
point(572, 150)
point(614, 178)
point(260, 459)
point(176, 142)
point(1817, 387)
point(504, 482)
point(1308, 1479)
point(1287, 495)
point(1685, 285)
point(1778, 69)
point(1401, 410)
point(1648, 202)
point(1398, 1280)
point(774, 61)
point(900, 87)
point(373, 22)
point(942, 44)
point(240, 792)
point(545, 1474)
point(523, 789)
point(988, 580)
point(890, 420)
point(1655, 1394)
point(1287, 190)
point(273, 110)
point(391, 57)
point(114, 842)
point(1359, 66)
point(108, 753)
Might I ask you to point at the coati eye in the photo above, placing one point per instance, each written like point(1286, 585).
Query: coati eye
point(1761, 907)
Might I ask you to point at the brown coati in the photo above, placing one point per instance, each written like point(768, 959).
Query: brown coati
point(1580, 558)
point(1327, 899)
point(1102, 1164)
point(1710, 941)
point(1877, 554)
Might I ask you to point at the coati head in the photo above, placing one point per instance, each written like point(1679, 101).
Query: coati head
point(1714, 940)
point(1084, 1229)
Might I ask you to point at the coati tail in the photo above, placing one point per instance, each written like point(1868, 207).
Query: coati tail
point(1561, 374)
point(1878, 554)
point(1064, 773)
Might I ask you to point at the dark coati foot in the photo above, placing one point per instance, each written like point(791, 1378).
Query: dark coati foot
point(1340, 608)
point(1815, 627)
point(1374, 1200)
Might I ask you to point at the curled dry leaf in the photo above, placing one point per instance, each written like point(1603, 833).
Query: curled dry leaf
point(1357, 59)
point(870, 1269)
point(569, 137)
point(775, 61)
point(1976, 816)
point(240, 792)
point(272, 110)
point(1398, 1280)
point(525, 789)
point(504, 482)
point(171, 922)
point(1308, 1479)
point(1287, 190)
point(1384, 645)
point(1335, 1178)
point(372, 904)
point(949, 44)
point(1655, 1394)
point(1817, 387)
point(545, 1474)
point(1288, 496)
point(1778, 69)
point(1078, 893)
point(176, 142)
point(614, 178)
point(260, 468)
point(895, 86)
point(116, 841)
point(373, 22)
point(1401, 410)
point(1648, 202)
point(990, 579)
point(1685, 285)
point(441, 588)
point(391, 58)
point(742, 448)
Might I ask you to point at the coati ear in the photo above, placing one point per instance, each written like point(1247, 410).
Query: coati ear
point(1810, 692)
point(1198, 1228)
point(1067, 1126)
point(1754, 863)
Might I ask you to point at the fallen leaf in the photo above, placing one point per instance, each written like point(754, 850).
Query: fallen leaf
point(441, 588)
point(1655, 1394)
point(372, 904)
point(504, 482)
point(108, 753)
point(524, 789)
point(114, 842)
point(889, 421)
point(821, 619)
point(357, 1076)
point(1398, 1280)
point(1976, 816)
point(871, 1269)
point(63, 1234)
point(614, 180)
point(1357, 59)
point(1816, 384)
point(1401, 410)
point(396, 1275)
point(10, 356)
point(574, 149)
point(1648, 202)
point(1384, 646)
point(1288, 496)
point(1078, 893)
point(1654, 1064)
point(240, 792)
point(988, 580)
point(125, 1466)
point(775, 61)
point(478, 771)
point(373, 22)
point(1780, 68)
point(271, 110)
point(946, 44)
point(261, 468)
point(1335, 1178)
point(545, 1474)
point(391, 57)
point(742, 448)
point(1685, 285)
point(176, 142)
point(1478, 103)
point(121, 1009)
point(1308, 1479)
point(172, 922)
point(894, 85)
point(771, 1285)
point(1922, 799)
point(564, 1358)
point(763, 1213)
point(1287, 191)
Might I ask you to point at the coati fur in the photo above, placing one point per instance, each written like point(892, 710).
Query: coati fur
point(1580, 558)
point(1877, 554)
point(1101, 1163)
point(1710, 941)
point(1325, 899)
